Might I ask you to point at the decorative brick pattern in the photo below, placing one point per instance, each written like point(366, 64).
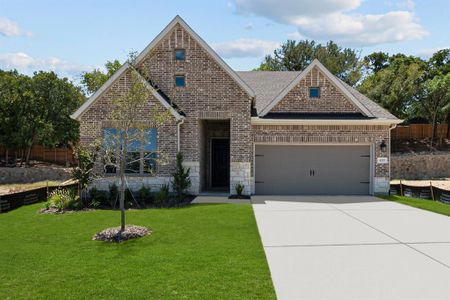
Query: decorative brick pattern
point(331, 99)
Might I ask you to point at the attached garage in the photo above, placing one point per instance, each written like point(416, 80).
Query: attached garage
point(312, 170)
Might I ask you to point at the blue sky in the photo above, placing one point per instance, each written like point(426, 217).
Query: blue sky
point(72, 36)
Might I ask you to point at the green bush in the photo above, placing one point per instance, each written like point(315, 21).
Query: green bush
point(162, 195)
point(98, 198)
point(129, 198)
point(63, 199)
point(145, 196)
point(239, 189)
point(113, 194)
point(181, 181)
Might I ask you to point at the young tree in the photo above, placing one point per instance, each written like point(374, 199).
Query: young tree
point(92, 81)
point(130, 126)
point(84, 171)
point(296, 56)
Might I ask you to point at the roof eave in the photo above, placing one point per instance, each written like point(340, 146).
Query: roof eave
point(375, 121)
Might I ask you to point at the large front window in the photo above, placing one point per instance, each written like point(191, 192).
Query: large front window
point(141, 150)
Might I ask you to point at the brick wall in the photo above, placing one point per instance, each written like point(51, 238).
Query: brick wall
point(331, 99)
point(97, 117)
point(210, 93)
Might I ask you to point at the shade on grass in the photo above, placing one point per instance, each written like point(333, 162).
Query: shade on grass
point(434, 206)
point(196, 252)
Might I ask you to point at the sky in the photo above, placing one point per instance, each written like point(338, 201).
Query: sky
point(70, 37)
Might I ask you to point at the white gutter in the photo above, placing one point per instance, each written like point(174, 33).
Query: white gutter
point(178, 133)
point(261, 121)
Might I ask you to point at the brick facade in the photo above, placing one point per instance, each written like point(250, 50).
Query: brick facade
point(97, 117)
point(331, 99)
point(212, 94)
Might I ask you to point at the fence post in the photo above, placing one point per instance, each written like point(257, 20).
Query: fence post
point(401, 188)
point(432, 192)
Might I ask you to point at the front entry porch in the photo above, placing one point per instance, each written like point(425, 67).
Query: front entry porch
point(215, 156)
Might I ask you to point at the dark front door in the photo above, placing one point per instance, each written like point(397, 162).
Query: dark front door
point(220, 162)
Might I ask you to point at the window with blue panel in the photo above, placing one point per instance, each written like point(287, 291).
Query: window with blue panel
point(141, 150)
point(150, 147)
point(180, 81)
point(111, 147)
point(314, 92)
point(180, 54)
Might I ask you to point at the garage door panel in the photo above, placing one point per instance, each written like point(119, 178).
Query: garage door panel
point(336, 169)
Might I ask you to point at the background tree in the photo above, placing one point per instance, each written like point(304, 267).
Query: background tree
point(435, 101)
point(92, 81)
point(15, 99)
point(394, 83)
point(296, 56)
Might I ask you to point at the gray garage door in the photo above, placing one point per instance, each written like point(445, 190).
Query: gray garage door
point(312, 170)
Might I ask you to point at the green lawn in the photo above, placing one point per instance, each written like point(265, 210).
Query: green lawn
point(196, 252)
point(430, 205)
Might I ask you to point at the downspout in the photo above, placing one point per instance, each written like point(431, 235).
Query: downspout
point(178, 133)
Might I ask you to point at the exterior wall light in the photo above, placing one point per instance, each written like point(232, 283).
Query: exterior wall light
point(383, 146)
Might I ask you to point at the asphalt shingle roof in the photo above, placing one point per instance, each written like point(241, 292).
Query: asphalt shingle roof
point(267, 85)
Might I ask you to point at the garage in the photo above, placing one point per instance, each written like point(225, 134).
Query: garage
point(312, 170)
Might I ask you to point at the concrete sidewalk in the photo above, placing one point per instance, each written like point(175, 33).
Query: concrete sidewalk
point(340, 247)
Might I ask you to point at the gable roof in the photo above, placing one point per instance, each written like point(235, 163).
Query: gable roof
point(267, 84)
point(126, 66)
point(301, 75)
point(198, 39)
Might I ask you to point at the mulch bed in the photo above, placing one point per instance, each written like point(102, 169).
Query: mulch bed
point(239, 197)
point(114, 235)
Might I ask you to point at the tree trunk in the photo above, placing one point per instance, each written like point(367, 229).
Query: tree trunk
point(122, 183)
point(27, 160)
point(7, 157)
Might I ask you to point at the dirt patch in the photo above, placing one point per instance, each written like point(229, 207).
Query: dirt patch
point(442, 184)
point(114, 235)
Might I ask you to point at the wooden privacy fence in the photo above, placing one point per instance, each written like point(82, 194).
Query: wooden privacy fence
point(418, 131)
point(429, 192)
point(61, 155)
point(16, 200)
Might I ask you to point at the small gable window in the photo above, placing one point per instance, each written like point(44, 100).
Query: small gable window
point(180, 54)
point(180, 81)
point(314, 92)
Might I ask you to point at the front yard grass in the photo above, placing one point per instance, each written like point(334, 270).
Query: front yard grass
point(434, 206)
point(195, 252)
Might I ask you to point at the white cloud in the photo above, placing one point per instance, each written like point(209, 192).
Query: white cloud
point(245, 48)
point(428, 52)
point(334, 20)
point(27, 64)
point(295, 35)
point(10, 28)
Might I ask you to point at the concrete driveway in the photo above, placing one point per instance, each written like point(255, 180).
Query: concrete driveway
point(353, 247)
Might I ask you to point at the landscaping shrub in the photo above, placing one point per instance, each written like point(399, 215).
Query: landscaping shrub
point(113, 194)
point(62, 199)
point(145, 196)
point(98, 198)
point(181, 181)
point(239, 189)
point(162, 196)
point(129, 198)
